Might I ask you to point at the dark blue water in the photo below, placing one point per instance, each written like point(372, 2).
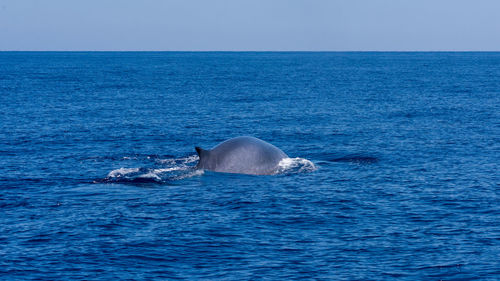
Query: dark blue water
point(96, 151)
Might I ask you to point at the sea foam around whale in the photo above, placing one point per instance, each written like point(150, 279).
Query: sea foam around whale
point(172, 169)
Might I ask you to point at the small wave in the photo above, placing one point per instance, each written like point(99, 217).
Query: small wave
point(295, 165)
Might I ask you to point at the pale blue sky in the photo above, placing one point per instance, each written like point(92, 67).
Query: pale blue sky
point(302, 25)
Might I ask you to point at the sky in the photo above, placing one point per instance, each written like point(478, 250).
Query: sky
point(251, 25)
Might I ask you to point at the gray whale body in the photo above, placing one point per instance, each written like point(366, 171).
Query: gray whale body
point(241, 155)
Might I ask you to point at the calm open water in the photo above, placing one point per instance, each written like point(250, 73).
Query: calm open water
point(96, 151)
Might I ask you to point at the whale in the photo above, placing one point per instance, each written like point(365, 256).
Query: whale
point(241, 155)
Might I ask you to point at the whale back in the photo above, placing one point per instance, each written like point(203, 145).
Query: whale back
point(242, 155)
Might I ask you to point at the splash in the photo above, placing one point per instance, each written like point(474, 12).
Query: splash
point(295, 166)
point(172, 169)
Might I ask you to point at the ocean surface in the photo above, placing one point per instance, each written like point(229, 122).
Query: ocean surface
point(394, 169)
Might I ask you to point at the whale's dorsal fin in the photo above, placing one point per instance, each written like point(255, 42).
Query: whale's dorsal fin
point(201, 152)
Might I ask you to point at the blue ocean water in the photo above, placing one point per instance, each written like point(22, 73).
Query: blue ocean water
point(96, 150)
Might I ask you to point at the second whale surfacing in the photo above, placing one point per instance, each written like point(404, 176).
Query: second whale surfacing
point(241, 155)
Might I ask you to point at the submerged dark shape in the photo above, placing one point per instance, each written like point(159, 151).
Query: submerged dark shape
point(241, 155)
point(355, 158)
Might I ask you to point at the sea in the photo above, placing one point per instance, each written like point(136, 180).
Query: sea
point(393, 168)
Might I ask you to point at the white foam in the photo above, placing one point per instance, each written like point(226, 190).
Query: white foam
point(164, 170)
point(194, 173)
point(173, 169)
point(150, 175)
point(299, 165)
point(189, 159)
point(183, 160)
point(121, 172)
point(167, 161)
